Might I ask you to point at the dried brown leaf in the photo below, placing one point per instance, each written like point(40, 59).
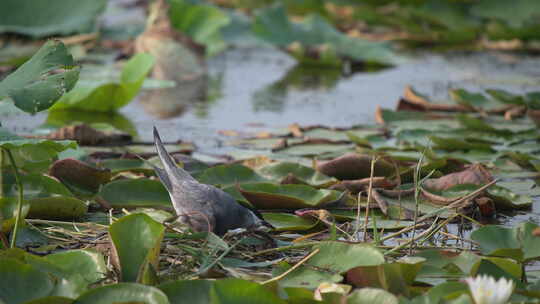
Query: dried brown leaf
point(354, 166)
point(476, 174)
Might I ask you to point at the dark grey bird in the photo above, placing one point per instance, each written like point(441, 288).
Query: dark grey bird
point(200, 206)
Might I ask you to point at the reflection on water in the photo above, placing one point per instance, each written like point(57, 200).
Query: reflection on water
point(273, 97)
point(173, 102)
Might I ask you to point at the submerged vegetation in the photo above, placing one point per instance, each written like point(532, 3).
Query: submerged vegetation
point(397, 212)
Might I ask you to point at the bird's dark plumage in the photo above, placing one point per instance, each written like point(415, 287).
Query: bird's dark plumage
point(202, 207)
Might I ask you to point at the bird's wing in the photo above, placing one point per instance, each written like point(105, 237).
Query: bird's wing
point(162, 174)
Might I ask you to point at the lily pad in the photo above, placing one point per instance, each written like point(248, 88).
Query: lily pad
point(127, 164)
point(373, 296)
point(45, 148)
point(289, 222)
point(57, 208)
point(124, 292)
point(341, 256)
point(33, 86)
point(44, 18)
point(272, 25)
point(271, 196)
point(190, 291)
point(137, 239)
point(280, 170)
point(135, 193)
point(88, 263)
point(16, 279)
point(519, 243)
point(35, 186)
point(99, 96)
point(228, 175)
point(242, 292)
point(201, 22)
point(79, 176)
point(332, 259)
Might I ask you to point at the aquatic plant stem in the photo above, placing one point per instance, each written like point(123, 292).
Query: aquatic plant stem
point(370, 189)
point(21, 197)
point(416, 196)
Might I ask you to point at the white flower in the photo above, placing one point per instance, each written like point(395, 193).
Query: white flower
point(485, 290)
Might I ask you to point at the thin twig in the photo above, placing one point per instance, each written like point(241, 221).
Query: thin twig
point(458, 202)
point(423, 233)
point(406, 229)
point(302, 261)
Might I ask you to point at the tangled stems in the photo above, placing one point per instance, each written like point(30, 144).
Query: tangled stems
point(20, 202)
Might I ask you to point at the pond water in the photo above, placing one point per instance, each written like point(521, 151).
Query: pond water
point(256, 89)
point(249, 88)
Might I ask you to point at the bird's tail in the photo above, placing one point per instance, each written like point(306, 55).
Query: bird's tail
point(172, 170)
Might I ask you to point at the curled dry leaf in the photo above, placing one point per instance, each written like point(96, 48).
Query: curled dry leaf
point(515, 111)
point(437, 199)
point(413, 101)
point(381, 202)
point(358, 185)
point(320, 214)
point(86, 135)
point(354, 166)
point(280, 145)
point(476, 174)
point(79, 174)
point(296, 131)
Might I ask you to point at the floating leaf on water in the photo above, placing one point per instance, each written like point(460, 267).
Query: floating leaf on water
point(228, 175)
point(88, 263)
point(60, 17)
point(203, 23)
point(135, 193)
point(96, 97)
point(124, 292)
point(272, 24)
point(17, 277)
point(189, 291)
point(35, 186)
point(306, 175)
point(57, 208)
point(45, 148)
point(476, 174)
point(289, 222)
point(79, 175)
point(271, 196)
point(372, 295)
point(137, 239)
point(33, 87)
point(354, 166)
